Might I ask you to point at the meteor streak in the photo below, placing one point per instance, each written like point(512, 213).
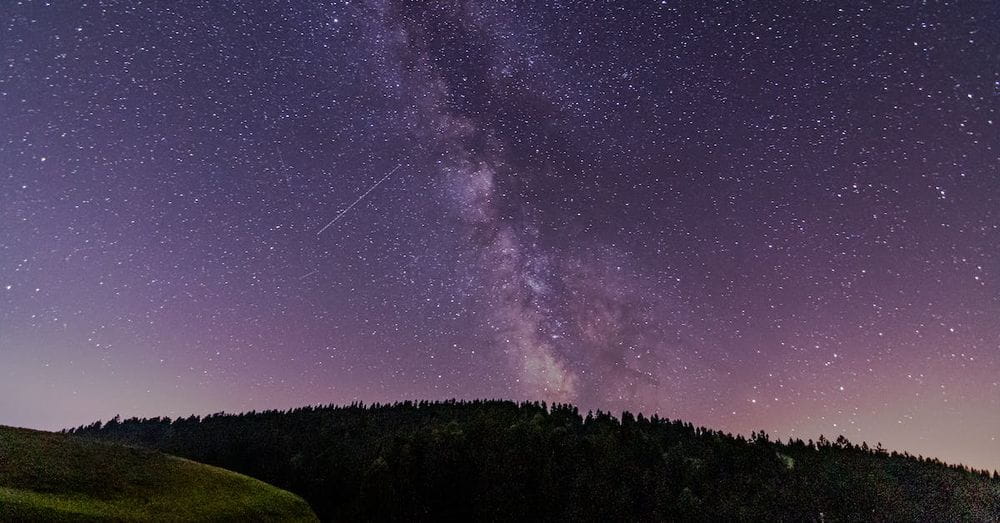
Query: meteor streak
point(351, 206)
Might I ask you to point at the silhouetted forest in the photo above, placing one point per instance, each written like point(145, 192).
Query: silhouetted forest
point(500, 460)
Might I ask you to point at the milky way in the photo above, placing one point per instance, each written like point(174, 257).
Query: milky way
point(746, 216)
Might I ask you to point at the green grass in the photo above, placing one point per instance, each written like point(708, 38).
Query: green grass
point(46, 476)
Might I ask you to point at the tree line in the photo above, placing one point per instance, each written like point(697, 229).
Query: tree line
point(493, 460)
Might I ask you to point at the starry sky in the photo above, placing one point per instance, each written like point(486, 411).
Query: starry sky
point(748, 215)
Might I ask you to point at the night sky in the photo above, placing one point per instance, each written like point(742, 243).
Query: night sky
point(744, 215)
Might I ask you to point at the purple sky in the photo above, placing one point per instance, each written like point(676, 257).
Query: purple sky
point(747, 216)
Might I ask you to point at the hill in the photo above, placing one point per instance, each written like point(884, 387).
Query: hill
point(46, 476)
point(501, 461)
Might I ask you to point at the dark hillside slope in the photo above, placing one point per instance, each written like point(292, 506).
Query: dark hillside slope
point(52, 477)
point(499, 460)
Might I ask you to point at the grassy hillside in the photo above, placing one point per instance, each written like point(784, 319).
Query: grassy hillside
point(504, 461)
point(46, 476)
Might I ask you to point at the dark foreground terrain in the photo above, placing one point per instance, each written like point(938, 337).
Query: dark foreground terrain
point(499, 460)
point(52, 477)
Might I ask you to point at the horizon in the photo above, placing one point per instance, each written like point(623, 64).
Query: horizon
point(617, 415)
point(744, 217)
